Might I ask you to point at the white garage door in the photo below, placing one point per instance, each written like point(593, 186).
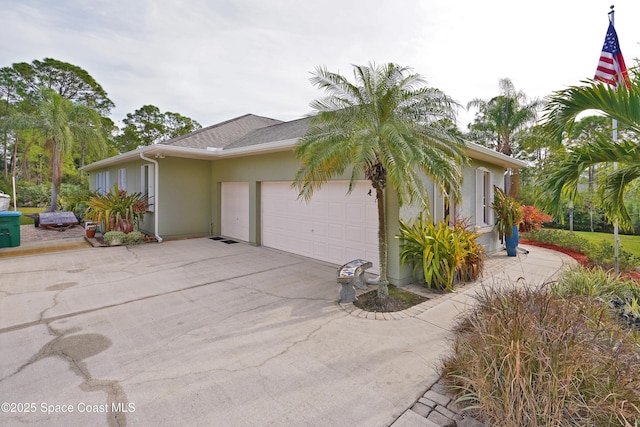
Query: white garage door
point(234, 221)
point(332, 227)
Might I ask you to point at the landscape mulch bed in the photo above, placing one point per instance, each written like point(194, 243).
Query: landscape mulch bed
point(580, 257)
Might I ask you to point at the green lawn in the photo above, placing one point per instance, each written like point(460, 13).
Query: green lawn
point(24, 219)
point(630, 244)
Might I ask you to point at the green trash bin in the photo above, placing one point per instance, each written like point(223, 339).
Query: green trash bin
point(9, 229)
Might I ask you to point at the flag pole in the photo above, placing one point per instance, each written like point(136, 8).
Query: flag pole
point(614, 127)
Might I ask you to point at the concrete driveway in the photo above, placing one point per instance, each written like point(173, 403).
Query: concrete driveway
point(198, 332)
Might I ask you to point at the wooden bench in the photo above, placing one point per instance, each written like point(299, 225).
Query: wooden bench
point(352, 274)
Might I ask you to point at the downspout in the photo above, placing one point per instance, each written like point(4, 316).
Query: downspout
point(156, 211)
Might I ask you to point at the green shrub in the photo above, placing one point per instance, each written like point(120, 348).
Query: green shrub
point(134, 238)
point(601, 255)
point(564, 239)
point(526, 357)
point(473, 264)
point(621, 295)
point(73, 199)
point(110, 237)
point(33, 195)
point(444, 253)
point(591, 282)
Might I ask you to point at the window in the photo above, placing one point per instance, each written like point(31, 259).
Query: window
point(486, 201)
point(147, 185)
point(122, 179)
point(484, 194)
point(450, 207)
point(103, 182)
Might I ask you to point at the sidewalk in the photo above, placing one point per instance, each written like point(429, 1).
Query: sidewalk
point(434, 408)
point(35, 240)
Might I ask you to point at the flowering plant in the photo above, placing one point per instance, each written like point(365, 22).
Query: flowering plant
point(117, 210)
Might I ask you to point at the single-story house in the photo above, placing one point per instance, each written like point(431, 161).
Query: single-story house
point(234, 179)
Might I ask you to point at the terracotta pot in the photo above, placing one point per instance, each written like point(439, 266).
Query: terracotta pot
point(91, 232)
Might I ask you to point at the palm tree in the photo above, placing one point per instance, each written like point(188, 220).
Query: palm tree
point(499, 119)
point(498, 123)
point(62, 123)
point(387, 127)
point(621, 104)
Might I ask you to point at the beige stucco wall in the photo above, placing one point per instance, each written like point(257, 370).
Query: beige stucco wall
point(185, 197)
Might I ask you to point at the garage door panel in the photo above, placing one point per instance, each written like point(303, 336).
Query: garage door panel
point(336, 211)
point(234, 221)
point(321, 230)
point(354, 235)
point(331, 227)
point(371, 217)
point(336, 231)
point(320, 210)
point(371, 237)
point(338, 251)
point(320, 250)
point(355, 213)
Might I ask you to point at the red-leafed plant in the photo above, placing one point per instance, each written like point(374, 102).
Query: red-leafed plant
point(533, 218)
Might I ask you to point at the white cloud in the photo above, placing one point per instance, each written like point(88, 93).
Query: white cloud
point(214, 60)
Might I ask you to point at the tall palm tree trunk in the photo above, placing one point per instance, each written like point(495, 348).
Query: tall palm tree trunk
point(383, 282)
point(56, 175)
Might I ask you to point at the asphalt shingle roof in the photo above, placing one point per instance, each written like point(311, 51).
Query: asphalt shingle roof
point(279, 132)
point(222, 134)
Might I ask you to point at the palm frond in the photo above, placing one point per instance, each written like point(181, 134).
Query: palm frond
point(564, 106)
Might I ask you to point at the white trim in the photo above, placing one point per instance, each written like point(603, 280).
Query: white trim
point(147, 185)
point(156, 212)
point(484, 197)
point(485, 229)
point(474, 151)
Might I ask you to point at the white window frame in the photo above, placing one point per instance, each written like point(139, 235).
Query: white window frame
point(484, 198)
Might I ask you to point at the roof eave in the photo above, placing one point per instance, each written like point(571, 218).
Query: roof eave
point(478, 152)
point(474, 151)
point(159, 150)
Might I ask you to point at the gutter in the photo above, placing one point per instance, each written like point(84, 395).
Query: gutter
point(156, 186)
point(472, 150)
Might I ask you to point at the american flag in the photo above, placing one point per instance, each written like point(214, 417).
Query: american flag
point(611, 67)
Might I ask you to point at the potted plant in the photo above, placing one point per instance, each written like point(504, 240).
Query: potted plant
point(509, 215)
point(90, 229)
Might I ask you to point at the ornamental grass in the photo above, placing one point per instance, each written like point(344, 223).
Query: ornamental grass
point(528, 357)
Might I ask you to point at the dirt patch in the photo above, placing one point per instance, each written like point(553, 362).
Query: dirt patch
point(397, 300)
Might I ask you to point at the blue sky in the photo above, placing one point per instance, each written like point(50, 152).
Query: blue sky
point(217, 59)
